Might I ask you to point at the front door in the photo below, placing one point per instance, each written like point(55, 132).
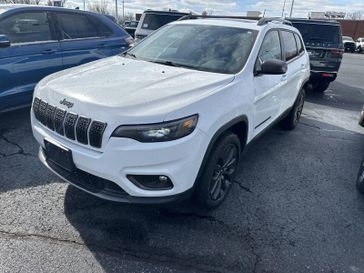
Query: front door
point(267, 99)
point(33, 54)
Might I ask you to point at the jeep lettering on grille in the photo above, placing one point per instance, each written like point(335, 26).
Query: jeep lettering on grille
point(66, 103)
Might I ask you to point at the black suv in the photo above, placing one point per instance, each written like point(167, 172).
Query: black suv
point(324, 44)
point(360, 178)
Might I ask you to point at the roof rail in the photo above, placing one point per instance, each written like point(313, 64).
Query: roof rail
point(266, 20)
point(261, 21)
point(192, 16)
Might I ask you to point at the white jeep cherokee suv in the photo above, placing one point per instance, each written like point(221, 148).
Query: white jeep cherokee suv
point(170, 117)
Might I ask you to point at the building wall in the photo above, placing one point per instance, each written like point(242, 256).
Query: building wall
point(352, 28)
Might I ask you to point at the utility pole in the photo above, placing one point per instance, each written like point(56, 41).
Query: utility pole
point(290, 14)
point(284, 7)
point(116, 11)
point(123, 11)
point(84, 4)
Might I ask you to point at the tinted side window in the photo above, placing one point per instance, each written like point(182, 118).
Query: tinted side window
point(299, 43)
point(154, 21)
point(102, 28)
point(290, 47)
point(271, 48)
point(26, 27)
point(76, 26)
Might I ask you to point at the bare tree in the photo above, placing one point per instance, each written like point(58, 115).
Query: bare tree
point(59, 4)
point(129, 17)
point(356, 15)
point(24, 2)
point(99, 6)
point(208, 12)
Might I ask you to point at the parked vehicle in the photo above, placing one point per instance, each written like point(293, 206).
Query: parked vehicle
point(36, 41)
point(324, 44)
point(130, 27)
point(175, 111)
point(151, 20)
point(360, 178)
point(349, 44)
point(360, 44)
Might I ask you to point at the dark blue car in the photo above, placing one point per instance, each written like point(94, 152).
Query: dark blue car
point(38, 41)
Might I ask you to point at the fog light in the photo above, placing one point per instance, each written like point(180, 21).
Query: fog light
point(151, 182)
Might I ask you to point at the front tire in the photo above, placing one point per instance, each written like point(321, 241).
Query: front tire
point(218, 174)
point(291, 120)
point(360, 178)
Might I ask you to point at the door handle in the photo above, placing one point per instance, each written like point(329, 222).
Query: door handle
point(302, 65)
point(284, 78)
point(101, 46)
point(48, 51)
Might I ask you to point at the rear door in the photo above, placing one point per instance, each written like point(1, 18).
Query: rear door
point(268, 95)
point(34, 53)
point(84, 39)
point(80, 40)
point(293, 53)
point(112, 42)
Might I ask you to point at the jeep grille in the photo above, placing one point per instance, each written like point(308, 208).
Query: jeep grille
point(70, 125)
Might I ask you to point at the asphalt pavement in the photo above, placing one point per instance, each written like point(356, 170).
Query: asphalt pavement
point(292, 208)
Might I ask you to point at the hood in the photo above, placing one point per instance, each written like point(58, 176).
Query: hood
point(127, 87)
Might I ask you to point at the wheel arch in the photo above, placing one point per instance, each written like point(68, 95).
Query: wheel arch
point(238, 125)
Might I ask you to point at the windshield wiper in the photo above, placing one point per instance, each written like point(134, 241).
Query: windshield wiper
point(130, 54)
point(170, 63)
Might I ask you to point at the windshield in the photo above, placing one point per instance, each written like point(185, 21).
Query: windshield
point(317, 34)
point(201, 47)
point(154, 21)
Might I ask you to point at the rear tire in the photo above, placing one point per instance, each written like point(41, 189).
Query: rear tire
point(218, 174)
point(320, 86)
point(360, 178)
point(291, 120)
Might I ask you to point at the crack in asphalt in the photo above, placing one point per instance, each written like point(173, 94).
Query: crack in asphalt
point(156, 258)
point(248, 236)
point(310, 125)
point(241, 186)
point(251, 241)
point(20, 148)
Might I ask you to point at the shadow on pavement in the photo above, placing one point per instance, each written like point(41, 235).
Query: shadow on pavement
point(279, 205)
point(338, 95)
point(179, 237)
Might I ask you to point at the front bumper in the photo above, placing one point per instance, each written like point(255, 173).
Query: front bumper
point(106, 189)
point(180, 160)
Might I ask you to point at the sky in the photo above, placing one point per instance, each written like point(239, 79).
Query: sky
point(236, 7)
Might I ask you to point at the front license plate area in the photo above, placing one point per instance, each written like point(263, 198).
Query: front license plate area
point(59, 155)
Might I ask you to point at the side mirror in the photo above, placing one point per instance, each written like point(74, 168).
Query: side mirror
point(273, 67)
point(4, 41)
point(361, 120)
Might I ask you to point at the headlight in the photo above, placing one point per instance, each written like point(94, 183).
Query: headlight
point(158, 132)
